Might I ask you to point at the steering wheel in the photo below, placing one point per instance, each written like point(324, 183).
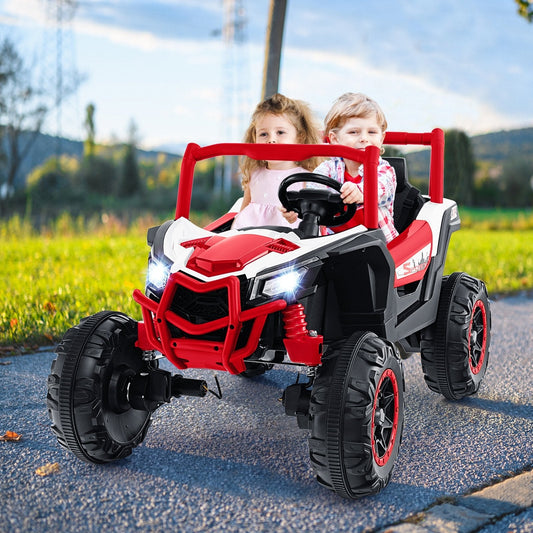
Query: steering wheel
point(316, 207)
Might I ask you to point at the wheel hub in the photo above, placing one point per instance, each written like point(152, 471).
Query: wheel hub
point(380, 417)
point(144, 391)
point(385, 417)
point(477, 337)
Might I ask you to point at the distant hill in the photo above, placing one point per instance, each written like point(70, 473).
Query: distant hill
point(47, 146)
point(500, 145)
point(490, 147)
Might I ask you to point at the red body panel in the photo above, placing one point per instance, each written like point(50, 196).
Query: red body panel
point(226, 217)
point(411, 252)
point(221, 255)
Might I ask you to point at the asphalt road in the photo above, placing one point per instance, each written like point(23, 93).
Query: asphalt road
point(240, 464)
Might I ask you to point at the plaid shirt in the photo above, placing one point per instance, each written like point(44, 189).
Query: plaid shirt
point(335, 168)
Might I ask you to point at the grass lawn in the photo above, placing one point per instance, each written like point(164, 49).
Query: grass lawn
point(49, 282)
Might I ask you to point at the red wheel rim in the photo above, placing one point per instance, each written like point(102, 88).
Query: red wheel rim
point(477, 337)
point(385, 417)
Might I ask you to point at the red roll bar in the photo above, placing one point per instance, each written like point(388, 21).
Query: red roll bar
point(300, 152)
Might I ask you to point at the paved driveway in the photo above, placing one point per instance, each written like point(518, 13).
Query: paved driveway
point(239, 464)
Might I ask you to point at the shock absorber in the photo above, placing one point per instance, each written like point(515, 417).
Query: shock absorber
point(303, 345)
point(294, 321)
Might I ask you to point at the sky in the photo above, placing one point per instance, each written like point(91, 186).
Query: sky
point(163, 65)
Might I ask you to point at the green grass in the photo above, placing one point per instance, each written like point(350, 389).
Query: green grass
point(496, 219)
point(503, 259)
point(48, 282)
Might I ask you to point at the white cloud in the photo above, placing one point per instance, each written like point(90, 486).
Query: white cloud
point(146, 41)
point(25, 11)
point(158, 63)
point(34, 12)
point(410, 102)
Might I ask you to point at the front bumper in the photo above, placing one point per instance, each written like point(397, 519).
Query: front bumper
point(157, 330)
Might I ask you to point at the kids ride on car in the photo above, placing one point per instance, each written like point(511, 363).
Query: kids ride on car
point(346, 308)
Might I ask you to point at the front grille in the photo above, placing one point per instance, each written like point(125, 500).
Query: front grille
point(197, 307)
point(202, 307)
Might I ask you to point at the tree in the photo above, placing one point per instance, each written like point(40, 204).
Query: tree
point(22, 111)
point(130, 180)
point(98, 175)
point(88, 147)
point(51, 183)
point(525, 9)
point(517, 181)
point(459, 167)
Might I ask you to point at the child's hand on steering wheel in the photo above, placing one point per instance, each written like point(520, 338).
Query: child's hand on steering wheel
point(290, 216)
point(350, 193)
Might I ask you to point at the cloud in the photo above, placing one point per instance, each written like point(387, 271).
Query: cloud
point(411, 102)
point(168, 21)
point(177, 25)
point(143, 40)
point(428, 64)
point(478, 54)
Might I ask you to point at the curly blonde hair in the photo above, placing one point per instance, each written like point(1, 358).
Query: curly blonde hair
point(300, 116)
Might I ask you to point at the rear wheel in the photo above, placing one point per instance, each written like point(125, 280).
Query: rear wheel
point(88, 389)
point(455, 349)
point(356, 416)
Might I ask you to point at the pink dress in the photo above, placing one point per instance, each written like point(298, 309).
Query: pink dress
point(263, 209)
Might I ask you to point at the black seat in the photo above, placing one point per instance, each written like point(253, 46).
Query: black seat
point(407, 201)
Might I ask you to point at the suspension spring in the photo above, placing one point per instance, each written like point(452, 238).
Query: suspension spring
point(294, 321)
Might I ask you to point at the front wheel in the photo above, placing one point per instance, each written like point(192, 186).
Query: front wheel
point(356, 416)
point(88, 389)
point(455, 349)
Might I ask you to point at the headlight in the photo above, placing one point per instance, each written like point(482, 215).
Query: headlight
point(157, 275)
point(285, 283)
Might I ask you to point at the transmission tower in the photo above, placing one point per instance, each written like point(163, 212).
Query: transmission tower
point(236, 87)
point(59, 50)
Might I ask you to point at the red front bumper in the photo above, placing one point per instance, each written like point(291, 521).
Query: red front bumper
point(185, 352)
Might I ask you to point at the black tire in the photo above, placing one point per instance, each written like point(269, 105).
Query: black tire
point(356, 416)
point(86, 389)
point(455, 349)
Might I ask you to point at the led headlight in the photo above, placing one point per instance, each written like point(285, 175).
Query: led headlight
point(285, 283)
point(157, 274)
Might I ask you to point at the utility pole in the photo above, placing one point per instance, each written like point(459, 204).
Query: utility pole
point(276, 22)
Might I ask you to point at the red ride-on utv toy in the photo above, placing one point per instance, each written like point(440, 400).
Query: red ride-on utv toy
point(346, 308)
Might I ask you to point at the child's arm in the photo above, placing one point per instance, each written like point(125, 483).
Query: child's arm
point(386, 184)
point(386, 187)
point(247, 198)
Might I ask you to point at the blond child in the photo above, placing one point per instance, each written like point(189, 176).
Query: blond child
point(357, 121)
point(280, 120)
